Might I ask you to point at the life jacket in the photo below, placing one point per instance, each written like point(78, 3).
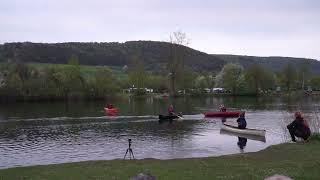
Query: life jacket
point(242, 122)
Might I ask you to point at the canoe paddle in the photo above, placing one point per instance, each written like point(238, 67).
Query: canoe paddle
point(179, 116)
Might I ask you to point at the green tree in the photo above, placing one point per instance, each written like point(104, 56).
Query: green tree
point(254, 77)
point(14, 84)
point(269, 80)
point(231, 77)
point(315, 83)
point(259, 78)
point(205, 80)
point(186, 79)
point(73, 60)
point(210, 79)
point(157, 83)
point(138, 76)
point(49, 85)
point(19, 79)
point(201, 82)
point(289, 77)
point(69, 78)
point(105, 83)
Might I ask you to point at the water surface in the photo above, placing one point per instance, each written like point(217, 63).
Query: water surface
point(48, 133)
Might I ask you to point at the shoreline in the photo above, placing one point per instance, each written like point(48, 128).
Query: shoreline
point(296, 160)
point(18, 99)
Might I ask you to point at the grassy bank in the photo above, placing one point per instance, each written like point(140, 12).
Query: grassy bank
point(299, 161)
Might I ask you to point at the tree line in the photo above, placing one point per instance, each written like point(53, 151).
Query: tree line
point(23, 81)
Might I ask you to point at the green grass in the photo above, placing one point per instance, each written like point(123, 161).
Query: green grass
point(86, 71)
point(315, 137)
point(299, 161)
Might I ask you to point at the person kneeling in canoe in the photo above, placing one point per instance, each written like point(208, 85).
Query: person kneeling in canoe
point(299, 128)
point(171, 111)
point(110, 106)
point(242, 123)
point(223, 109)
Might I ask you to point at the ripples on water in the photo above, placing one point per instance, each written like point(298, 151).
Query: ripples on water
point(31, 140)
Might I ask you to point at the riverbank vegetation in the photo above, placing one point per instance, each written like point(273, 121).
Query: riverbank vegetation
point(298, 161)
point(30, 81)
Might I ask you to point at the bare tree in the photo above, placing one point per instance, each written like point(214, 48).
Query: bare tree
point(178, 41)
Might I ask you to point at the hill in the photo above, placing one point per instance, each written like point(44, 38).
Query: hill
point(153, 54)
point(273, 63)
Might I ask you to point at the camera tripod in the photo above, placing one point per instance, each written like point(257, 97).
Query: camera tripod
point(129, 150)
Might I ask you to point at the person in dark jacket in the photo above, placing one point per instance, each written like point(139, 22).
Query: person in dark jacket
point(242, 123)
point(299, 128)
point(223, 109)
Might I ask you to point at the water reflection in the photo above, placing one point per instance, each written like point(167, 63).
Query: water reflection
point(246, 136)
point(242, 142)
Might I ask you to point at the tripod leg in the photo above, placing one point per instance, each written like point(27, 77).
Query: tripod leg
point(132, 153)
point(125, 154)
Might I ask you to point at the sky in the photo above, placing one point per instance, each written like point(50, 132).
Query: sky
point(244, 27)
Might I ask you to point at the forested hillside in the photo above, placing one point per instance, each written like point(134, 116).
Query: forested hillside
point(154, 55)
point(273, 63)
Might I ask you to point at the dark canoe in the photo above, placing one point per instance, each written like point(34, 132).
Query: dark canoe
point(167, 117)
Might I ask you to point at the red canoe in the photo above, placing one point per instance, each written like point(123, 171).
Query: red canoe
point(222, 114)
point(111, 112)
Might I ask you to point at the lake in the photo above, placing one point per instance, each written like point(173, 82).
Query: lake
point(50, 133)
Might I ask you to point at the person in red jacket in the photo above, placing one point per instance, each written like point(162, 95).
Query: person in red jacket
point(110, 106)
point(171, 111)
point(299, 128)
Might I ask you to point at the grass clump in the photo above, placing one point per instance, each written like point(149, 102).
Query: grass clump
point(315, 137)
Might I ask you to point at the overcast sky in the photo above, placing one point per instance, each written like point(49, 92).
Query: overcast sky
point(246, 27)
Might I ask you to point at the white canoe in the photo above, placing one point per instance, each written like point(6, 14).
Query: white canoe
point(248, 136)
point(234, 129)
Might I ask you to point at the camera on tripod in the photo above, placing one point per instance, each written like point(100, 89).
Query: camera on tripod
point(129, 140)
point(129, 150)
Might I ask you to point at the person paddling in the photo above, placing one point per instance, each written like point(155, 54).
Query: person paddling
point(110, 106)
point(299, 128)
point(242, 123)
point(223, 109)
point(171, 111)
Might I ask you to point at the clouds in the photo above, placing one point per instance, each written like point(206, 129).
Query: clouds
point(284, 28)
